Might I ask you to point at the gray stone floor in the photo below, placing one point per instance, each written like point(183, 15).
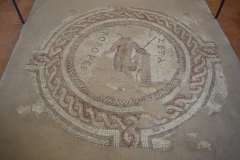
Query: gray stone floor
point(27, 136)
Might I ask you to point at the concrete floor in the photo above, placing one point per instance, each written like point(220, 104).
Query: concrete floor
point(27, 136)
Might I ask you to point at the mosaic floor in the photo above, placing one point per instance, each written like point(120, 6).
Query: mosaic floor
point(92, 80)
point(125, 77)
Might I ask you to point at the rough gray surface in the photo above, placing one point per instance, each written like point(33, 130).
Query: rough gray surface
point(29, 137)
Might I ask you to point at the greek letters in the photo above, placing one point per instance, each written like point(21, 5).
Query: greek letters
point(98, 44)
point(94, 49)
point(161, 50)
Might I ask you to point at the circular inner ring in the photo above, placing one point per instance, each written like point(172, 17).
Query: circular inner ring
point(163, 88)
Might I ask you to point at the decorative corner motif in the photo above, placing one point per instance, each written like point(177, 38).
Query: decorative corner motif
point(192, 135)
point(38, 108)
point(204, 145)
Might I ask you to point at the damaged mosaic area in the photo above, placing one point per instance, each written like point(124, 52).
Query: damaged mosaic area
point(124, 77)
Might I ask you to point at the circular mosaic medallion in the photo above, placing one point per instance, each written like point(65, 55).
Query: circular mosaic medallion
point(123, 77)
